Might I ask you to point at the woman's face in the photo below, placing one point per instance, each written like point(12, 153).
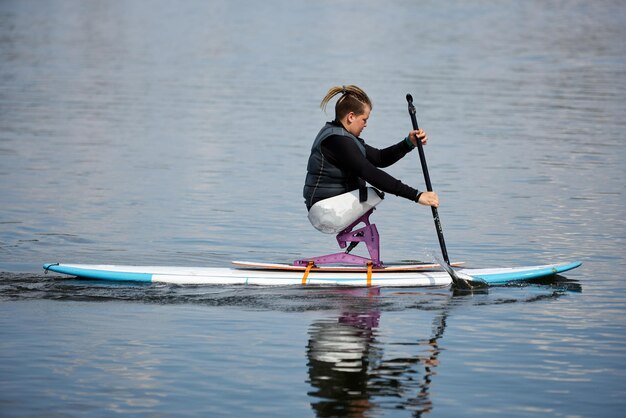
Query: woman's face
point(356, 123)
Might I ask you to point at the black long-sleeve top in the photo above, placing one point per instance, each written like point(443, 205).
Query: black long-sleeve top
point(342, 152)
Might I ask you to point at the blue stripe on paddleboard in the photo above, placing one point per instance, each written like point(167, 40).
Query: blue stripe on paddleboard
point(497, 278)
point(99, 274)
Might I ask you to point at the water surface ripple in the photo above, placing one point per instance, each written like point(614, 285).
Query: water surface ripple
point(177, 133)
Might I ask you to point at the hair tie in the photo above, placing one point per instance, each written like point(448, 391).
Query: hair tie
point(343, 89)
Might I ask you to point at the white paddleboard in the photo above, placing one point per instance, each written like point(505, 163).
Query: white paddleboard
point(277, 277)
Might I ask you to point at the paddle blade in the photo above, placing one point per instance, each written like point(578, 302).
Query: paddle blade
point(461, 281)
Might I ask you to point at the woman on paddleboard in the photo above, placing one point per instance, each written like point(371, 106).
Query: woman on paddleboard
point(341, 163)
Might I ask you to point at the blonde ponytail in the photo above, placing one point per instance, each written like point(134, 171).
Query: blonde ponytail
point(352, 99)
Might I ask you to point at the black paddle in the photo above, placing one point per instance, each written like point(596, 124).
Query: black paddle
point(462, 283)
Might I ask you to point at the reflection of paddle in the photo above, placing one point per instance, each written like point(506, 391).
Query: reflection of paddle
point(463, 283)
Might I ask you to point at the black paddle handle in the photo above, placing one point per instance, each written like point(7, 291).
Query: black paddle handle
point(429, 186)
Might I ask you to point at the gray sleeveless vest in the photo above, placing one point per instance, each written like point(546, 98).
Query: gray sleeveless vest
point(324, 180)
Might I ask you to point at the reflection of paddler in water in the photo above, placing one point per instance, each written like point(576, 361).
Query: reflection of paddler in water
point(350, 376)
point(340, 355)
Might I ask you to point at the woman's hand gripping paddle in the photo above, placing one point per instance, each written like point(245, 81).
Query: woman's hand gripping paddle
point(466, 282)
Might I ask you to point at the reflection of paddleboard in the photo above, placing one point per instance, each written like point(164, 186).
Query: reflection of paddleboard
point(276, 277)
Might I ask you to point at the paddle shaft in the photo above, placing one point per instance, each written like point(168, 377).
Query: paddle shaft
point(429, 187)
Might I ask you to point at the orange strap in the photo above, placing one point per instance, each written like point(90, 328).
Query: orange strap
point(307, 271)
point(369, 274)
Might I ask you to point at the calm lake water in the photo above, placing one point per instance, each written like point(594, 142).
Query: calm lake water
point(177, 133)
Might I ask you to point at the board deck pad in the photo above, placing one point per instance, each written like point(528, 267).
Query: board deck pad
point(343, 268)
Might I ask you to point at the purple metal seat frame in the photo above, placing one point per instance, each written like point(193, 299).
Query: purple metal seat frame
point(367, 234)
